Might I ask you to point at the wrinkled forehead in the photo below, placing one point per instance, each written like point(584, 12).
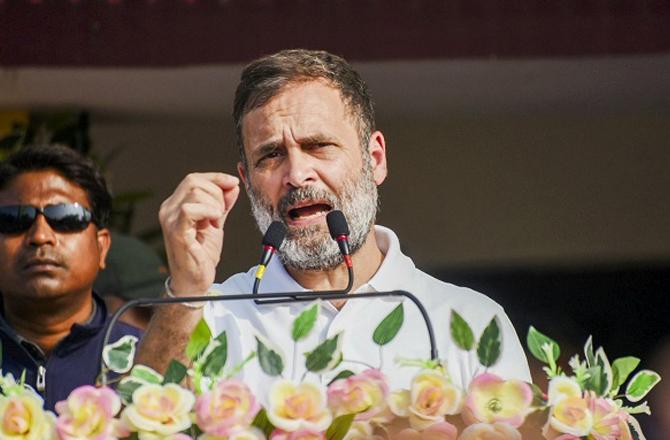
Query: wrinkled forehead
point(309, 100)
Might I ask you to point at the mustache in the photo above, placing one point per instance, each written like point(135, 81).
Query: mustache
point(298, 195)
point(40, 255)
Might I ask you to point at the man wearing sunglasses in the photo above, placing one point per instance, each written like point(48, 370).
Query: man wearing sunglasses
point(54, 209)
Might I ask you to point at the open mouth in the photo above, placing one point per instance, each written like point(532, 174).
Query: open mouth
point(309, 211)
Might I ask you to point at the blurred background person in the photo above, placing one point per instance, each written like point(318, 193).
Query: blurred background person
point(134, 270)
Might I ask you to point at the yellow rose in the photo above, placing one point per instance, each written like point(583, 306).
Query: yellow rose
point(23, 418)
point(430, 398)
point(159, 409)
point(562, 386)
point(571, 415)
point(491, 399)
point(296, 407)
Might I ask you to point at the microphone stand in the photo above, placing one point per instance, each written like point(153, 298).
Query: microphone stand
point(283, 297)
point(345, 291)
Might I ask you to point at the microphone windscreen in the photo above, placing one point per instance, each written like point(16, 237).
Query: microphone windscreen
point(337, 224)
point(275, 234)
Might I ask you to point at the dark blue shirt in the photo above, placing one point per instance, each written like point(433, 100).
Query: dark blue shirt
point(75, 361)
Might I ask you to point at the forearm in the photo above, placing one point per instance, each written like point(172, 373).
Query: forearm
point(167, 335)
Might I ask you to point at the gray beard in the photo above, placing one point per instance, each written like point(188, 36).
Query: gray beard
point(311, 247)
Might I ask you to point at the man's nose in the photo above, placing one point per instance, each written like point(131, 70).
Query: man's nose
point(40, 233)
point(299, 169)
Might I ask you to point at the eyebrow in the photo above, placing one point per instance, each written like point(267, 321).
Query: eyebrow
point(271, 146)
point(266, 148)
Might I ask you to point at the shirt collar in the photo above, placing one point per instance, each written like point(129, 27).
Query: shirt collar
point(397, 269)
point(394, 273)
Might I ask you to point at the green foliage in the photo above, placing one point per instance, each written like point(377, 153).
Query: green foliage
point(389, 327)
point(488, 349)
point(536, 341)
point(342, 375)
point(606, 372)
point(216, 358)
point(119, 355)
point(641, 384)
point(461, 333)
point(127, 387)
point(146, 374)
point(339, 427)
point(270, 361)
point(304, 323)
point(262, 422)
point(323, 355)
point(199, 340)
point(621, 369)
point(175, 373)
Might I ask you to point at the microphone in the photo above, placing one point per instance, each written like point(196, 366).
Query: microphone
point(272, 240)
point(339, 230)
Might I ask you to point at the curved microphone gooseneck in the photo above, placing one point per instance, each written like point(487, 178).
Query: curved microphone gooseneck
point(282, 297)
point(272, 240)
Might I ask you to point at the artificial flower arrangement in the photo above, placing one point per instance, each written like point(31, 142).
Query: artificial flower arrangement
point(589, 403)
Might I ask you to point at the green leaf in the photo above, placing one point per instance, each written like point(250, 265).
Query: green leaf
point(305, 321)
point(535, 340)
point(146, 374)
point(461, 332)
point(119, 356)
point(621, 369)
point(324, 355)
point(639, 409)
point(342, 375)
point(339, 427)
point(127, 387)
point(389, 327)
point(596, 380)
point(588, 352)
point(607, 374)
point(199, 340)
point(635, 429)
point(488, 349)
point(641, 384)
point(216, 359)
point(270, 361)
point(175, 372)
point(262, 422)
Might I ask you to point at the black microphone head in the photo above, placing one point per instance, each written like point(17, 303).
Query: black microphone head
point(275, 234)
point(337, 224)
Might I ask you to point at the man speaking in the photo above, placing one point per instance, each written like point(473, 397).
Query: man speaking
point(308, 145)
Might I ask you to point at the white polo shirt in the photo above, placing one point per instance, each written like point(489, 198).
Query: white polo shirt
point(357, 321)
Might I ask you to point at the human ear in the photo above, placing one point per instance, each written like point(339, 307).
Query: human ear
point(104, 242)
point(377, 154)
point(242, 172)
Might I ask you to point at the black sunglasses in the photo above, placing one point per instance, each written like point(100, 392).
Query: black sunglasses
point(63, 217)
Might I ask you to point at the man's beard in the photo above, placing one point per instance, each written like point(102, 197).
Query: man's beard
point(311, 247)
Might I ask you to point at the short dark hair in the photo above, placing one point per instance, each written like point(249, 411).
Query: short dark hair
point(76, 168)
point(265, 77)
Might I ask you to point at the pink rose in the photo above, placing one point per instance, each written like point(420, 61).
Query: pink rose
point(88, 413)
point(491, 399)
point(363, 394)
point(227, 407)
